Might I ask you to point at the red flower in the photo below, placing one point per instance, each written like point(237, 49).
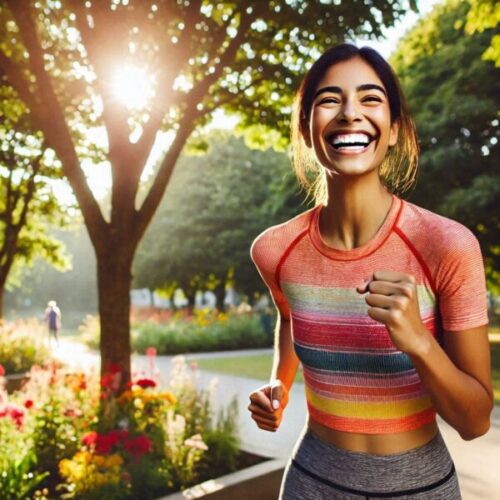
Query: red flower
point(104, 443)
point(145, 383)
point(119, 435)
point(90, 439)
point(28, 403)
point(138, 446)
point(2, 371)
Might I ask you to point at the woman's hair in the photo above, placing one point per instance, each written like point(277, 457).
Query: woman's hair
point(398, 171)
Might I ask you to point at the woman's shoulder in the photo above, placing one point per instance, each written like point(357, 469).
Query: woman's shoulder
point(275, 239)
point(433, 231)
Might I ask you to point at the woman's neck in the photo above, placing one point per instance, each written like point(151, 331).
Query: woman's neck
point(355, 210)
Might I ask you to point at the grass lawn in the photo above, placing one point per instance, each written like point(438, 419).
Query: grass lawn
point(257, 367)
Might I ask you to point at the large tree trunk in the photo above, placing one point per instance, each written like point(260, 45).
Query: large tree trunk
point(2, 291)
point(114, 279)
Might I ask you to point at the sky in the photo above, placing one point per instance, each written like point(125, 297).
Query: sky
point(99, 177)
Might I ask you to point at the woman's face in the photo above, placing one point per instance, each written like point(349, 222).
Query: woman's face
point(350, 124)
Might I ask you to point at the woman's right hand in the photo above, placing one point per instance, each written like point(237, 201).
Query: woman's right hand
point(267, 404)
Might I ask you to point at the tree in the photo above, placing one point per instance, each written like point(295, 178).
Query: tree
point(485, 14)
point(215, 206)
point(245, 56)
point(27, 203)
point(453, 93)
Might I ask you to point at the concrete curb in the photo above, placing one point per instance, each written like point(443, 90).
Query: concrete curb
point(260, 481)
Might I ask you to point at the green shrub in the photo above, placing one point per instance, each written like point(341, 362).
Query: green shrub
point(225, 332)
point(202, 332)
point(22, 345)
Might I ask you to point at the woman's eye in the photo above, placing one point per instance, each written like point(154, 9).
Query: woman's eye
point(329, 100)
point(372, 98)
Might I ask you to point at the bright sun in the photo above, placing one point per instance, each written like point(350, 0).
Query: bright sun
point(132, 86)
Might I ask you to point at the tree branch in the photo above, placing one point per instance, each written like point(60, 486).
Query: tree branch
point(168, 73)
point(94, 39)
point(55, 129)
point(186, 126)
point(199, 90)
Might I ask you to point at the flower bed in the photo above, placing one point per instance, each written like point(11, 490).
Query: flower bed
point(69, 435)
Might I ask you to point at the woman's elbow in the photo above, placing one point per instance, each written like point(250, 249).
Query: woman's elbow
point(478, 427)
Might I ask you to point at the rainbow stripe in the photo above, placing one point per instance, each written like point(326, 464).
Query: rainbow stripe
point(356, 380)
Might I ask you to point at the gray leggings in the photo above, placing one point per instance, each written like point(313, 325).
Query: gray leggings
point(319, 470)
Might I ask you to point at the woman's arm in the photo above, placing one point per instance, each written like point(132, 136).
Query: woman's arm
point(457, 376)
point(285, 361)
point(285, 365)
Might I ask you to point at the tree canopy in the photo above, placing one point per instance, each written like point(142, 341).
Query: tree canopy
point(27, 201)
point(453, 94)
point(215, 205)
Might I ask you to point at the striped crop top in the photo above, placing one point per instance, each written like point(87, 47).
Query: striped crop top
point(355, 378)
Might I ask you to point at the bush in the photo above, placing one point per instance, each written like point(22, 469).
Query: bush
point(206, 331)
point(22, 345)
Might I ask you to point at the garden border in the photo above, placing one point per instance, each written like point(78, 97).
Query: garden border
point(260, 481)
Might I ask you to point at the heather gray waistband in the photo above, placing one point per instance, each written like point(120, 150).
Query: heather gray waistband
point(411, 474)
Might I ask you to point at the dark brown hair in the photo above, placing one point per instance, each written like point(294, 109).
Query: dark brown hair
point(399, 168)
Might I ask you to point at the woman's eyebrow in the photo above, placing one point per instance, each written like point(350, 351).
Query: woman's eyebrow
point(337, 90)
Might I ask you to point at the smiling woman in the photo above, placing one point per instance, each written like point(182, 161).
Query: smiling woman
point(381, 301)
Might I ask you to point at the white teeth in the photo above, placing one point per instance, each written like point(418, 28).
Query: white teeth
point(361, 139)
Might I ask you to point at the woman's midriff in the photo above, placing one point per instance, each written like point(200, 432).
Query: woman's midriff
point(375, 444)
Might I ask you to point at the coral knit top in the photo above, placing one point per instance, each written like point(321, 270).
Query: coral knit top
point(356, 380)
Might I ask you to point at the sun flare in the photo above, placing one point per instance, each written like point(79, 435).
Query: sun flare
point(132, 86)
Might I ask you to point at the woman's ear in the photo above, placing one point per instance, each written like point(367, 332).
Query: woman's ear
point(394, 133)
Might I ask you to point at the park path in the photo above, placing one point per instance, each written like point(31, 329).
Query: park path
point(477, 461)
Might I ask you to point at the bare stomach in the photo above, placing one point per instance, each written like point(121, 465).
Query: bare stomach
point(375, 444)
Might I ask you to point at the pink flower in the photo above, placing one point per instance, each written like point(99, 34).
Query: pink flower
point(151, 352)
point(2, 371)
point(16, 413)
point(73, 412)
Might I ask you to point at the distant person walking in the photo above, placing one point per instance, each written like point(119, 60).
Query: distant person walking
point(53, 320)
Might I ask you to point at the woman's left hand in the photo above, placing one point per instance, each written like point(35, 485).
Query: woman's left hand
point(393, 301)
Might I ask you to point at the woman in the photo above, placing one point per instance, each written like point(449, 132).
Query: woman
point(383, 302)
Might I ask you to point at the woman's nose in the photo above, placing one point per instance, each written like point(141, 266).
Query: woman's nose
point(349, 111)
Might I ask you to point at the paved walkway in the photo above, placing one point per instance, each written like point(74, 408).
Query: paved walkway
point(477, 461)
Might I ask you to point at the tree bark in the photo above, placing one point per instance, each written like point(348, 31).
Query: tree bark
point(114, 278)
point(2, 290)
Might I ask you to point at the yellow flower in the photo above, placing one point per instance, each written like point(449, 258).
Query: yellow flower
point(169, 397)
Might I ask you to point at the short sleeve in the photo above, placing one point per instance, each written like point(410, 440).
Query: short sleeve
point(461, 283)
point(266, 255)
